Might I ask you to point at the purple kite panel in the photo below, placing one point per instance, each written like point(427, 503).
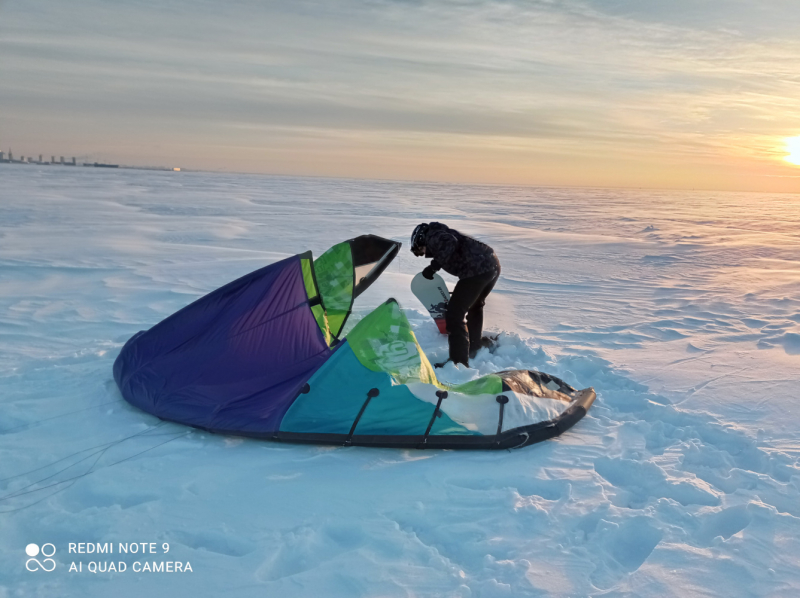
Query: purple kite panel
point(233, 360)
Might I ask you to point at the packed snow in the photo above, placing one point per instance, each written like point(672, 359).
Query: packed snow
point(682, 310)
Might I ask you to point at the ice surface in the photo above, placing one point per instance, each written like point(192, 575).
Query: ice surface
point(681, 309)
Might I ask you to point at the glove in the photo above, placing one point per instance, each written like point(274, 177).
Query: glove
point(429, 272)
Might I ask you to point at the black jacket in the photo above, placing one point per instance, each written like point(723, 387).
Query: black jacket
point(458, 254)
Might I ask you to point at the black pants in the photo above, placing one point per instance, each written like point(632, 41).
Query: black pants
point(468, 299)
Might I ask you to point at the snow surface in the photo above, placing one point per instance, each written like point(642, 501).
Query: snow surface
point(682, 309)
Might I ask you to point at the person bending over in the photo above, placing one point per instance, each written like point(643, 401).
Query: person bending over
point(477, 268)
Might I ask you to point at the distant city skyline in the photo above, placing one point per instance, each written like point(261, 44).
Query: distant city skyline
point(573, 92)
point(40, 159)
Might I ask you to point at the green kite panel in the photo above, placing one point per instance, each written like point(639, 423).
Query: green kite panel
point(384, 342)
point(335, 278)
point(491, 384)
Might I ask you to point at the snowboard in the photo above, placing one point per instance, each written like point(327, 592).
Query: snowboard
point(433, 294)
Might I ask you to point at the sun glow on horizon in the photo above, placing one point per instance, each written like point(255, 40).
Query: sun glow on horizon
point(793, 147)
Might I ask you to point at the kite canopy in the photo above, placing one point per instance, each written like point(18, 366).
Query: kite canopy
point(264, 356)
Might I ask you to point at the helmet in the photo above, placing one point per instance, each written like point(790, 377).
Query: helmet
point(418, 238)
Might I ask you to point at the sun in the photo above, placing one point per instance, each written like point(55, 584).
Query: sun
point(793, 147)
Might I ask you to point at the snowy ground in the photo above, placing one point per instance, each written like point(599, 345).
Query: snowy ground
point(681, 309)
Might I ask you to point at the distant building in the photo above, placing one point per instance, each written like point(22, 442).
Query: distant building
point(73, 160)
point(10, 156)
point(40, 158)
point(2, 157)
point(52, 159)
point(62, 159)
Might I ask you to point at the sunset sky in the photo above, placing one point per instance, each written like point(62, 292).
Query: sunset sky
point(698, 94)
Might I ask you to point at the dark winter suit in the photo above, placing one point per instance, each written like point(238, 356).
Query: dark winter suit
point(478, 269)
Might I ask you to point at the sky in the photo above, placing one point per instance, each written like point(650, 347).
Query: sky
point(697, 94)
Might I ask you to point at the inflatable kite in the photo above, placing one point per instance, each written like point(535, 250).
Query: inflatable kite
point(265, 356)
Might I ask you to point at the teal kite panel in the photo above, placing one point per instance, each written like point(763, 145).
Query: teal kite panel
point(338, 390)
point(395, 412)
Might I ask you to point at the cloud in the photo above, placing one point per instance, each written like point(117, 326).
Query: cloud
point(549, 76)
